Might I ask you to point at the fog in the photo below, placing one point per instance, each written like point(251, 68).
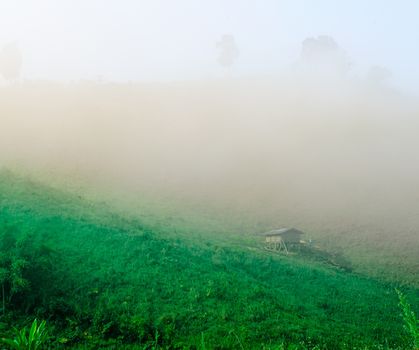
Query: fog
point(279, 144)
point(314, 142)
point(143, 40)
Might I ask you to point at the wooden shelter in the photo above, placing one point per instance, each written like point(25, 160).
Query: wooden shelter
point(278, 239)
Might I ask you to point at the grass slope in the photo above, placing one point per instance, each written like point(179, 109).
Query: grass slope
point(101, 278)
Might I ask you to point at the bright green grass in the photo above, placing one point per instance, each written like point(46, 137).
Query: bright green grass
point(103, 278)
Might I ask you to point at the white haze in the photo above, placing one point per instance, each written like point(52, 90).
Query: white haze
point(306, 136)
point(280, 144)
point(151, 40)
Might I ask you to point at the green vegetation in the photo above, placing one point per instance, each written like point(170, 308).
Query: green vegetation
point(411, 324)
point(105, 280)
point(31, 339)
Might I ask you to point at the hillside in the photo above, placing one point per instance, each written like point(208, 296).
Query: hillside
point(236, 156)
point(104, 279)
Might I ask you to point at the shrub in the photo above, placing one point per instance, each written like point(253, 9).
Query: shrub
point(28, 340)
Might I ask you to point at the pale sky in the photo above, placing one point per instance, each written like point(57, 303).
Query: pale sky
point(175, 39)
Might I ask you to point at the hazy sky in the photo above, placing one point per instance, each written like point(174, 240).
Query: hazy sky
point(175, 39)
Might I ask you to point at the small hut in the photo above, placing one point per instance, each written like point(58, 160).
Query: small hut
point(278, 239)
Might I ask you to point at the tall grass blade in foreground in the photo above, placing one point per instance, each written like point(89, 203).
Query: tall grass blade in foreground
point(411, 323)
point(28, 340)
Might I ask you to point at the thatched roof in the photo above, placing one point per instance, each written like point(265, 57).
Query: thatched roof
point(282, 231)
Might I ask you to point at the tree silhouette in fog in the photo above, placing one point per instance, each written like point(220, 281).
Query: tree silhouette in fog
point(10, 61)
point(229, 51)
point(325, 55)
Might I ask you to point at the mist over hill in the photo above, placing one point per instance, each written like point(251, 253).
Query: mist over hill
point(209, 175)
point(337, 159)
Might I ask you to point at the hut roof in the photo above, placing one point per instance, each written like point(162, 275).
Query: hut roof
point(282, 231)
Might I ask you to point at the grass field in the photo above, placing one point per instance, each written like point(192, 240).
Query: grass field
point(103, 279)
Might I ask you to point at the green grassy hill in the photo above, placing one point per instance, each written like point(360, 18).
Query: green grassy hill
point(103, 279)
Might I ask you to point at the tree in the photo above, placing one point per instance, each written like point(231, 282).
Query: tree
point(228, 50)
point(324, 55)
